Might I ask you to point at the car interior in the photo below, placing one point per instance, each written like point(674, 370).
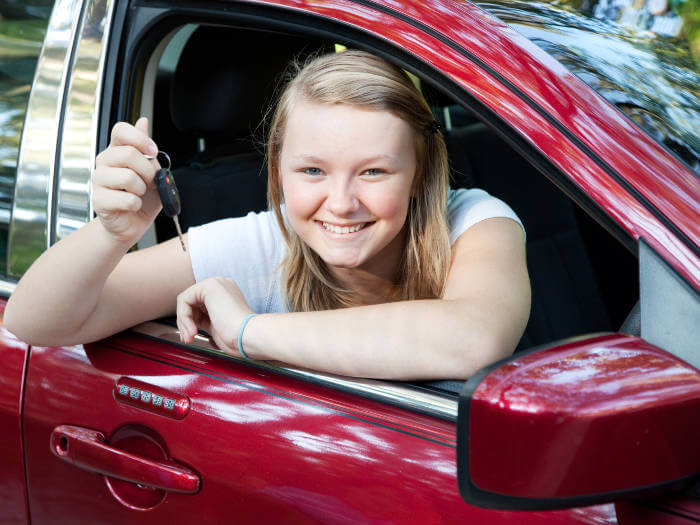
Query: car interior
point(208, 113)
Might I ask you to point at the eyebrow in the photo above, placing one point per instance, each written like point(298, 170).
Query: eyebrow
point(307, 157)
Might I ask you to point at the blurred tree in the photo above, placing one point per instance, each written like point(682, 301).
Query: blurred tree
point(689, 10)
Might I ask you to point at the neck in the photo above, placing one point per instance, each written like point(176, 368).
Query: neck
point(369, 287)
point(377, 281)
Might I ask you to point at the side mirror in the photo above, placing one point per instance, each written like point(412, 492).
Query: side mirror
point(588, 421)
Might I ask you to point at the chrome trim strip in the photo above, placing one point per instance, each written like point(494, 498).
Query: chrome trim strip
point(395, 394)
point(6, 288)
point(37, 153)
point(80, 121)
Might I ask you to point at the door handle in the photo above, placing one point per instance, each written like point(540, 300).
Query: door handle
point(86, 449)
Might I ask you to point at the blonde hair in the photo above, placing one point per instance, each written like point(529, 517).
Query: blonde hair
point(361, 79)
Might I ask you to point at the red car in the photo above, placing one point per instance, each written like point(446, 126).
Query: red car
point(596, 417)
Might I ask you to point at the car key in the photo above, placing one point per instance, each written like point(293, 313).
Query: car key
point(169, 196)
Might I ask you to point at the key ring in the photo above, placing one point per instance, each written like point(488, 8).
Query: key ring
point(160, 155)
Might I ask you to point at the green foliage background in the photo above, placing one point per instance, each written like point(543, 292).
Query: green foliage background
point(689, 10)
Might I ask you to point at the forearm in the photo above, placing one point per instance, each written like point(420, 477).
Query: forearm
point(404, 340)
point(61, 289)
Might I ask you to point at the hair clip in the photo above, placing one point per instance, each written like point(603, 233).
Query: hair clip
point(432, 128)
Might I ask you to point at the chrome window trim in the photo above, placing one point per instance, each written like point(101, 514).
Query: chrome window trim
point(80, 121)
point(6, 288)
point(396, 394)
point(31, 205)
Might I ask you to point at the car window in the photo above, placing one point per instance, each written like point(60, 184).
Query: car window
point(584, 281)
point(22, 28)
point(637, 60)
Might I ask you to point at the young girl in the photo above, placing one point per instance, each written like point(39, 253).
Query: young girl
point(366, 265)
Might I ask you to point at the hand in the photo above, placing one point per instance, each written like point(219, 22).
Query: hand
point(215, 305)
point(124, 195)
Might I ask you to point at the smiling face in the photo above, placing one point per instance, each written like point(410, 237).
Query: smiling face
point(347, 175)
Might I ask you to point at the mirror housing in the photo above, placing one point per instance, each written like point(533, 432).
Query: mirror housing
point(586, 421)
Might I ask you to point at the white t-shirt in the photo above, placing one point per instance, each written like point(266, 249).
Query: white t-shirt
point(250, 249)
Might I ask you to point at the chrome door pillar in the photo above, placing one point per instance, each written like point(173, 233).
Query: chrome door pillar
point(31, 208)
point(58, 144)
point(79, 141)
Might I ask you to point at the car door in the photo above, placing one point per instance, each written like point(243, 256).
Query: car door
point(216, 439)
point(140, 428)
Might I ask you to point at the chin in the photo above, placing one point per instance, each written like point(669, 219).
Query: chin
point(342, 262)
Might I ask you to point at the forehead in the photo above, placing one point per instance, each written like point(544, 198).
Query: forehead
point(344, 128)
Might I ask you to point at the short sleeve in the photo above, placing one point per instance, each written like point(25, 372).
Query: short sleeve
point(247, 249)
point(466, 207)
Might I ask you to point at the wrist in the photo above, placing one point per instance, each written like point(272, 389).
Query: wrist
point(109, 241)
point(252, 337)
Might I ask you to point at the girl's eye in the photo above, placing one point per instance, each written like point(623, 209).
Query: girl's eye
point(374, 171)
point(312, 171)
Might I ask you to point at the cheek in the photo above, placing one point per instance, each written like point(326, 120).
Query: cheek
point(300, 199)
point(391, 206)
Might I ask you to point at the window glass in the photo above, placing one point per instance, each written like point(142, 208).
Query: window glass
point(643, 57)
point(22, 28)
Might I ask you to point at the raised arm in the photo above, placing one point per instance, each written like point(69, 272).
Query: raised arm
point(479, 320)
point(84, 287)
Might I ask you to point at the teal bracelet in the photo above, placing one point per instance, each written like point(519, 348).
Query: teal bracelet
point(240, 335)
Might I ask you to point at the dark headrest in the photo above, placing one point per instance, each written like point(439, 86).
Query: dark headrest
point(226, 77)
point(434, 96)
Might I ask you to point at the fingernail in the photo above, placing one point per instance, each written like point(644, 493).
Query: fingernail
point(152, 148)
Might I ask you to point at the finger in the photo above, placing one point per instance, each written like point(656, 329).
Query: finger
point(120, 179)
point(187, 302)
point(124, 134)
point(108, 200)
point(220, 344)
point(127, 157)
point(142, 124)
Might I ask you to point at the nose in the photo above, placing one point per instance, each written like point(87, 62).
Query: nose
point(342, 196)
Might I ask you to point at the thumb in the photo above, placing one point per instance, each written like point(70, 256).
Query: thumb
point(142, 125)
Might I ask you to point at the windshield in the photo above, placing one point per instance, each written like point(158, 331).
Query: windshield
point(636, 60)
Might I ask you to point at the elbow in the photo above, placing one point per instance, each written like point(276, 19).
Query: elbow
point(23, 325)
point(481, 351)
point(12, 321)
point(492, 349)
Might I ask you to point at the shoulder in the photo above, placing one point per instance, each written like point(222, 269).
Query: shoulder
point(260, 229)
point(466, 207)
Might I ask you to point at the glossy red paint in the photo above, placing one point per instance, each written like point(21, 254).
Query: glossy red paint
point(571, 408)
point(265, 445)
point(665, 182)
point(13, 502)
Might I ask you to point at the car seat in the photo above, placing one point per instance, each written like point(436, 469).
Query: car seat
point(566, 298)
point(225, 80)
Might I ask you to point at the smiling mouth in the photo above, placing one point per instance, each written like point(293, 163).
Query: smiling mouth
point(344, 229)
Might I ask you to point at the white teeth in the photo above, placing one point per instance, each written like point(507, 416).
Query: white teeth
point(343, 229)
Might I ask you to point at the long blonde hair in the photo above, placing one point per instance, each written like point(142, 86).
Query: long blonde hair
point(361, 79)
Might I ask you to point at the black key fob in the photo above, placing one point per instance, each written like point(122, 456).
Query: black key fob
point(167, 190)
